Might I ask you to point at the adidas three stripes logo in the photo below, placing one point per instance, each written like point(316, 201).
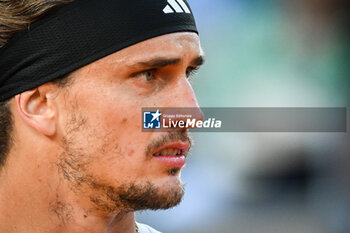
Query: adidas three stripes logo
point(178, 6)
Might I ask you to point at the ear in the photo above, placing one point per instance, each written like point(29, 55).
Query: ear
point(37, 108)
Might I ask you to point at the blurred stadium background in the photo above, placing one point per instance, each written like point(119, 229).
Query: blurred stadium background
point(268, 53)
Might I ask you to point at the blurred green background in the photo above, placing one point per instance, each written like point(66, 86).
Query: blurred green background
point(268, 53)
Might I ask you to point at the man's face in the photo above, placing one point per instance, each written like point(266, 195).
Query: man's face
point(106, 158)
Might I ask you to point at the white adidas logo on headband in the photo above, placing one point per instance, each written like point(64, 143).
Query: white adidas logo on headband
point(177, 6)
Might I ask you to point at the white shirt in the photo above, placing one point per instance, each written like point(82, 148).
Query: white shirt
point(146, 229)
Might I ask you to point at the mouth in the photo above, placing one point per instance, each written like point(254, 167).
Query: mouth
point(173, 154)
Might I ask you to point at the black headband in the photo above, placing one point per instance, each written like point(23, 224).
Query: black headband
point(82, 32)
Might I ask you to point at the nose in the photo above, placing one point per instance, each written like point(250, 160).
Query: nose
point(183, 95)
point(183, 104)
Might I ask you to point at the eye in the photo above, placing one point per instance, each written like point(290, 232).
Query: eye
point(149, 75)
point(191, 71)
point(146, 76)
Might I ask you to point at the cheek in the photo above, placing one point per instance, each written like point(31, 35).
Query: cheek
point(114, 130)
point(119, 142)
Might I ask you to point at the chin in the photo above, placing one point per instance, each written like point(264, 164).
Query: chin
point(166, 193)
point(157, 193)
point(170, 195)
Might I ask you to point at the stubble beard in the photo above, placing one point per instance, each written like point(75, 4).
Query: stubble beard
point(133, 196)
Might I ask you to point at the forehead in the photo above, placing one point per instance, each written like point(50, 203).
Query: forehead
point(170, 45)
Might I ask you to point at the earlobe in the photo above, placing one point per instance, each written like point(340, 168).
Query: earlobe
point(37, 110)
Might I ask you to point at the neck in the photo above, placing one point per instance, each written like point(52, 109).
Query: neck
point(34, 200)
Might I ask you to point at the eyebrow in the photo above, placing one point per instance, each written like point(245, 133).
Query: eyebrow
point(161, 62)
point(198, 61)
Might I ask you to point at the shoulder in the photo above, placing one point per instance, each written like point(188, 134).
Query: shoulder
point(143, 228)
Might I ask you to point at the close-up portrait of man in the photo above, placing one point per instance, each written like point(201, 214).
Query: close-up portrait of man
point(74, 77)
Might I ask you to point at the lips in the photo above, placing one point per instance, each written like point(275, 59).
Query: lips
point(173, 154)
point(170, 152)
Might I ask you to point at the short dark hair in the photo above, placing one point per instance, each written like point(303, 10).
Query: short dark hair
point(5, 130)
